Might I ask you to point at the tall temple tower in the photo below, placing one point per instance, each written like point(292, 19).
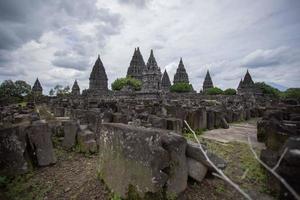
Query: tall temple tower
point(37, 88)
point(151, 76)
point(247, 86)
point(75, 89)
point(207, 82)
point(98, 78)
point(165, 82)
point(137, 65)
point(181, 76)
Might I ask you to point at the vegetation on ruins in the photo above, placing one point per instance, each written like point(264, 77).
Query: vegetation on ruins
point(119, 83)
point(181, 87)
point(230, 91)
point(267, 89)
point(214, 91)
point(59, 90)
point(14, 92)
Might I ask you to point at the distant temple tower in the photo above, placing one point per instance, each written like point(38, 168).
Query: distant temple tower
point(165, 82)
point(151, 76)
point(98, 78)
point(247, 86)
point(75, 89)
point(137, 65)
point(181, 76)
point(207, 82)
point(37, 88)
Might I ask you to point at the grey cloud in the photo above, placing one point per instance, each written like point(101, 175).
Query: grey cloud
point(22, 21)
point(64, 60)
point(138, 3)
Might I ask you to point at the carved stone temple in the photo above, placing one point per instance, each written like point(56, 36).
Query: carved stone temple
point(181, 76)
point(98, 78)
point(207, 82)
point(137, 65)
point(151, 76)
point(37, 88)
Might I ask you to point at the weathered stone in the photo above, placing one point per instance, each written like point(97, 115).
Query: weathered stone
point(175, 145)
point(70, 131)
point(39, 135)
point(210, 119)
point(196, 169)
point(86, 140)
point(120, 118)
point(143, 158)
point(197, 119)
point(193, 151)
point(224, 123)
point(12, 149)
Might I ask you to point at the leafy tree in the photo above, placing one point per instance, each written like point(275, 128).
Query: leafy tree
point(181, 87)
point(59, 90)
point(13, 92)
point(22, 88)
point(267, 89)
point(230, 91)
point(119, 83)
point(293, 93)
point(214, 91)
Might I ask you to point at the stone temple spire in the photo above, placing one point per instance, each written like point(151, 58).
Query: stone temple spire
point(37, 87)
point(207, 82)
point(165, 81)
point(151, 61)
point(240, 84)
point(75, 89)
point(247, 79)
point(98, 78)
point(181, 76)
point(137, 65)
point(151, 76)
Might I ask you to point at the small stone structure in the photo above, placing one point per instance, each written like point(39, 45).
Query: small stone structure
point(98, 79)
point(207, 82)
point(181, 76)
point(151, 76)
point(75, 89)
point(165, 82)
point(37, 88)
point(137, 65)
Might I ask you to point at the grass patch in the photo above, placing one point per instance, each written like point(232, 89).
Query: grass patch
point(26, 187)
point(242, 167)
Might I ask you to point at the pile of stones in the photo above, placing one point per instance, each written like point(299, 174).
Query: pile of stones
point(279, 129)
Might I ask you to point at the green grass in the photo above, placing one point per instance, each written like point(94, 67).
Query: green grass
point(26, 187)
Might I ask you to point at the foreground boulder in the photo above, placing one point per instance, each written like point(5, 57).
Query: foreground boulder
point(12, 149)
point(148, 160)
point(39, 135)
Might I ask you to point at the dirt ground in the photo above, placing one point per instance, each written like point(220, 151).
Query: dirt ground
point(74, 176)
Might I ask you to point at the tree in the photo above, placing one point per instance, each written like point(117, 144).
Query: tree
point(59, 90)
point(267, 89)
point(213, 91)
point(181, 87)
point(119, 83)
point(13, 92)
point(292, 93)
point(22, 88)
point(230, 91)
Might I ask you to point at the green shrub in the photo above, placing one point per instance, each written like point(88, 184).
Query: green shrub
point(214, 91)
point(181, 87)
point(293, 93)
point(230, 91)
point(267, 89)
point(121, 82)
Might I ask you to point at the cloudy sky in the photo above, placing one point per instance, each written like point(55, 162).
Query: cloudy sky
point(59, 40)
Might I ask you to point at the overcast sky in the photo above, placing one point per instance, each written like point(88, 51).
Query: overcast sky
point(58, 41)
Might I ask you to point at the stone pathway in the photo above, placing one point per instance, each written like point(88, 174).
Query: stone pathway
point(238, 132)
